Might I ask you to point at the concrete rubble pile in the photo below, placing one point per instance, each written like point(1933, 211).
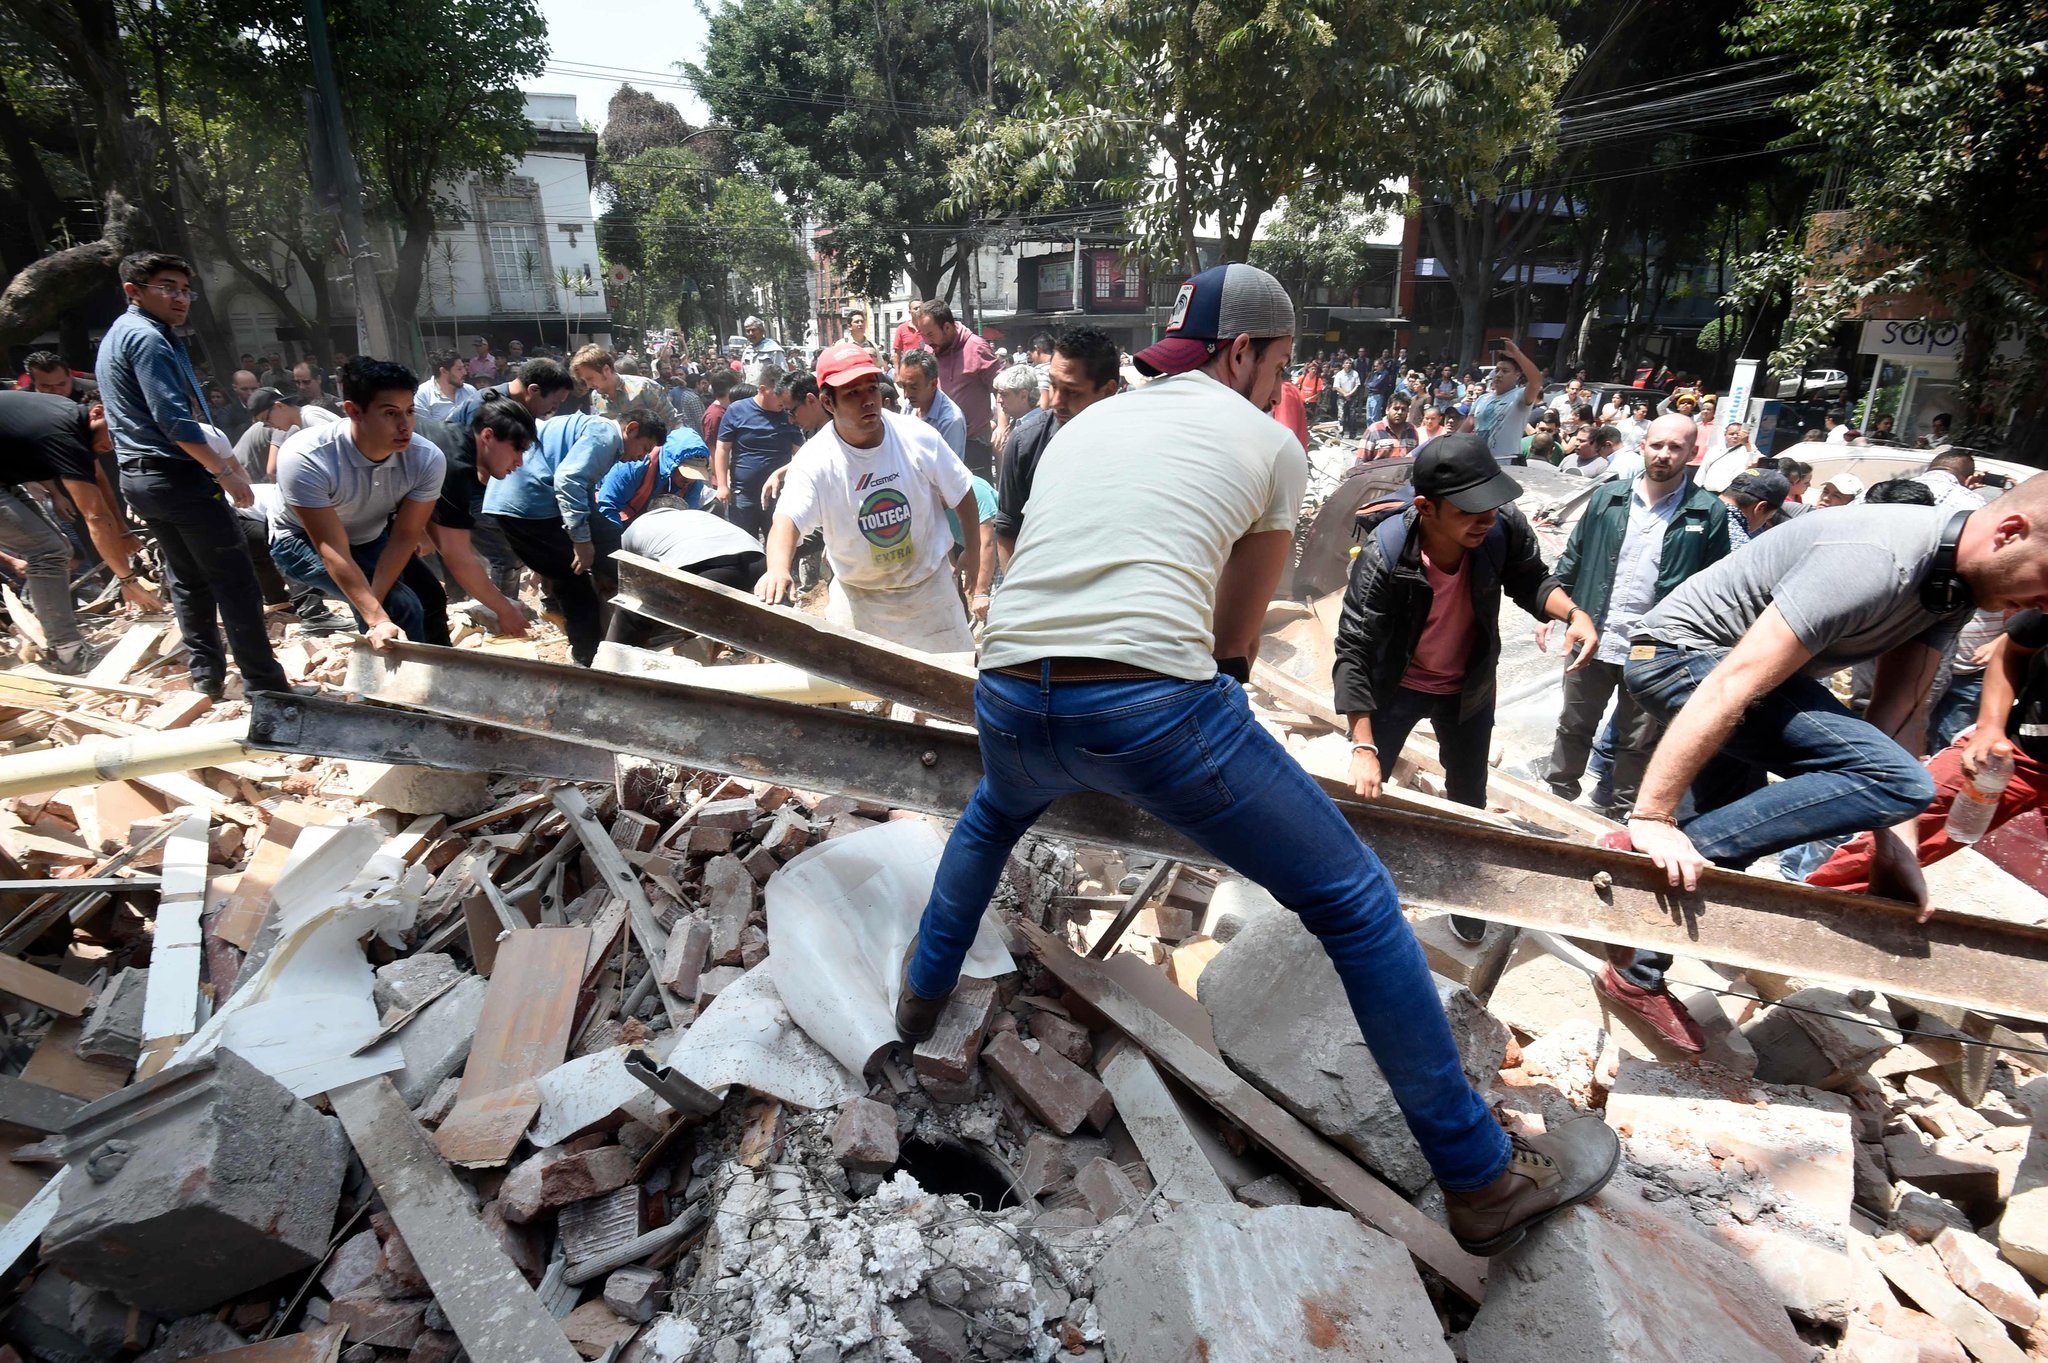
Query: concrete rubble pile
point(380, 1063)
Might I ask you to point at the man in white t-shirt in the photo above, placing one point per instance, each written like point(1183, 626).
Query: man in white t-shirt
point(1501, 413)
point(879, 485)
point(1112, 663)
point(357, 496)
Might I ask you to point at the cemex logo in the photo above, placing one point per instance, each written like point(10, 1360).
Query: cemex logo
point(885, 518)
point(868, 480)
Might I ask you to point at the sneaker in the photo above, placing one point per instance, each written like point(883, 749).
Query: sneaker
point(1545, 1175)
point(1656, 1009)
point(1470, 931)
point(916, 1018)
point(71, 660)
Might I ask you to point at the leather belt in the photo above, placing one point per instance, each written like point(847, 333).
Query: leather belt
point(1082, 669)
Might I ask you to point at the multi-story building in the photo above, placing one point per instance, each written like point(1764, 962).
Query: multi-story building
point(517, 261)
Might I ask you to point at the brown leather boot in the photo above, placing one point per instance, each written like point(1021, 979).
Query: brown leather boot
point(1546, 1174)
point(916, 1018)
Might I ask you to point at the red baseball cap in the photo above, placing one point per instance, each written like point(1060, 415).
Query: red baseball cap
point(843, 363)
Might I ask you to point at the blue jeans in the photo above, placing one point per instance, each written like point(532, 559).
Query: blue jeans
point(1955, 711)
point(1841, 774)
point(1375, 407)
point(1462, 744)
point(298, 558)
point(1190, 754)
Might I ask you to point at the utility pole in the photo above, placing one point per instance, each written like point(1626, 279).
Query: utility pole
point(341, 189)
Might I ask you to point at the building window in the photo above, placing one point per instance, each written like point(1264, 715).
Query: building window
point(1105, 267)
point(517, 263)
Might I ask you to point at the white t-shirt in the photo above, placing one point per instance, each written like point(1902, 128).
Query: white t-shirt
point(1499, 418)
point(1091, 578)
point(883, 510)
point(321, 466)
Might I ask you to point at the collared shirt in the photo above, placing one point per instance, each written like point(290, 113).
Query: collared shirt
point(148, 385)
point(634, 390)
point(430, 402)
point(946, 418)
point(1949, 492)
point(758, 356)
point(1635, 568)
point(558, 473)
point(967, 373)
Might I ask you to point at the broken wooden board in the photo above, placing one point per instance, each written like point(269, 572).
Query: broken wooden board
point(27, 1103)
point(43, 988)
point(624, 882)
point(522, 1033)
point(315, 1346)
point(1335, 1173)
point(126, 654)
point(1179, 1168)
point(57, 1065)
point(489, 1305)
point(242, 917)
point(170, 1009)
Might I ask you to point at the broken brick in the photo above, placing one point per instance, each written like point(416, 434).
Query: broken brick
point(950, 1052)
point(1107, 1189)
point(1975, 1267)
point(864, 1138)
point(1053, 1088)
point(729, 891)
point(542, 1184)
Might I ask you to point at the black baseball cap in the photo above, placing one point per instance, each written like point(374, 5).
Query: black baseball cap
point(263, 399)
point(1461, 470)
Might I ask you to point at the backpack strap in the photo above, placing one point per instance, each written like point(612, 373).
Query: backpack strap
point(644, 493)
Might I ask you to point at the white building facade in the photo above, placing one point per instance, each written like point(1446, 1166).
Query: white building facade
point(517, 260)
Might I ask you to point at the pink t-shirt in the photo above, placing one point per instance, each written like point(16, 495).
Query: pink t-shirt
point(1438, 668)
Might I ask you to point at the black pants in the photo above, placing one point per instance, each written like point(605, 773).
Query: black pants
point(737, 571)
point(212, 581)
point(276, 591)
point(543, 544)
point(1586, 693)
point(980, 457)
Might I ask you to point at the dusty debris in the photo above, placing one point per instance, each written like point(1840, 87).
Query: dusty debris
point(619, 1065)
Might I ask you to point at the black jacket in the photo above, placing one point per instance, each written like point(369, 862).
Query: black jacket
point(1387, 604)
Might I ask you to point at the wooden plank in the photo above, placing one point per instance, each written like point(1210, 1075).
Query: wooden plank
point(128, 651)
point(241, 919)
point(177, 710)
point(1161, 1134)
point(481, 921)
point(170, 1010)
point(522, 1033)
point(36, 677)
point(1342, 1179)
point(524, 804)
point(624, 882)
point(41, 987)
point(316, 1346)
point(57, 1065)
point(489, 1305)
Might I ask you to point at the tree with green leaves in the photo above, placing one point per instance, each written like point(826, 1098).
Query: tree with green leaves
point(1929, 119)
point(429, 95)
point(1315, 243)
point(842, 106)
point(1218, 109)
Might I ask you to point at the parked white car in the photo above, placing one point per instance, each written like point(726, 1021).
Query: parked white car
point(1823, 383)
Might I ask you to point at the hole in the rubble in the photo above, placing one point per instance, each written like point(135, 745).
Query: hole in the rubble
point(956, 1167)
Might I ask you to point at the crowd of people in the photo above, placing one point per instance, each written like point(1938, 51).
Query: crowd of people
point(957, 498)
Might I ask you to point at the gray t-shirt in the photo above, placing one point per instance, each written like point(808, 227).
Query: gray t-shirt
point(1498, 419)
point(1847, 581)
point(321, 466)
point(678, 537)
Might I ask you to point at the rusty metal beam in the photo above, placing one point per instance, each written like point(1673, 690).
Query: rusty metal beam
point(330, 727)
point(923, 681)
point(1440, 865)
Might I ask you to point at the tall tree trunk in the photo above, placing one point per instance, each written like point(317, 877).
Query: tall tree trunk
point(39, 196)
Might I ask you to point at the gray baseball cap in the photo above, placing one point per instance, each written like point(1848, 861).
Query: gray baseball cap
point(1213, 308)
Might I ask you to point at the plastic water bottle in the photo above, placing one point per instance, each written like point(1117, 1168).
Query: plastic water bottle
point(1977, 801)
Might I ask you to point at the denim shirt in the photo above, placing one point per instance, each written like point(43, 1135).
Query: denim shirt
point(147, 383)
point(559, 473)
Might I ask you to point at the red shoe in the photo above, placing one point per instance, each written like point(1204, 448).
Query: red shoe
point(1663, 1014)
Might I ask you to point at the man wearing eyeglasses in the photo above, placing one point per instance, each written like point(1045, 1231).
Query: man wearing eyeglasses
point(179, 483)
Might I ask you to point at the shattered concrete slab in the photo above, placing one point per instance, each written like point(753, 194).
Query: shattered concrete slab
point(226, 1191)
point(1232, 1284)
point(1614, 1283)
point(1283, 1022)
point(1767, 1171)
